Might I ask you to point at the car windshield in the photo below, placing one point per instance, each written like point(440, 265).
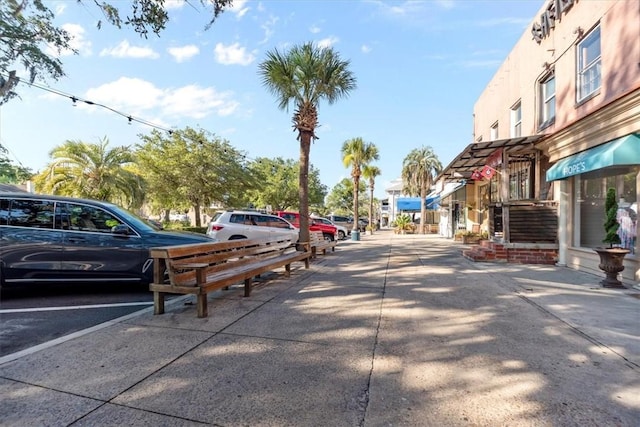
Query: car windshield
point(131, 218)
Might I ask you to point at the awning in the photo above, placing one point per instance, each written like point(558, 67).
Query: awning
point(450, 188)
point(621, 151)
point(476, 155)
point(412, 204)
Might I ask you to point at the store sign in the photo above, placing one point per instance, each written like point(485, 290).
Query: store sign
point(554, 11)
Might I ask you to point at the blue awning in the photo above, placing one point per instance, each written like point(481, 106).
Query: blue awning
point(412, 204)
point(621, 151)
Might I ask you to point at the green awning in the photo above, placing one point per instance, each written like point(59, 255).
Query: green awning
point(621, 151)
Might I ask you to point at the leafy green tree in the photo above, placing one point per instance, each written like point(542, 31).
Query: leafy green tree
point(11, 173)
point(340, 198)
point(27, 31)
point(93, 171)
point(356, 153)
point(370, 173)
point(304, 76)
point(419, 170)
point(279, 184)
point(189, 168)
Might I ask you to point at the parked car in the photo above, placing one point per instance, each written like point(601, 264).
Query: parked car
point(342, 231)
point(344, 221)
point(328, 231)
point(63, 239)
point(233, 225)
point(179, 217)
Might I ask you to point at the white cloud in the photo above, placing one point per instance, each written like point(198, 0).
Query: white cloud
point(267, 26)
point(314, 29)
point(197, 102)
point(366, 49)
point(125, 50)
point(60, 9)
point(183, 53)
point(174, 4)
point(77, 42)
point(233, 54)
point(127, 93)
point(328, 42)
point(137, 97)
point(238, 8)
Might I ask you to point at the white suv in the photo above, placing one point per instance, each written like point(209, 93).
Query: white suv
point(234, 225)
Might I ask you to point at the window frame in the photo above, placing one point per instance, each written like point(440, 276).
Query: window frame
point(494, 132)
point(593, 68)
point(547, 115)
point(516, 120)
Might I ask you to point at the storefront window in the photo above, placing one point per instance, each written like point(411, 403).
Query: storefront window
point(591, 190)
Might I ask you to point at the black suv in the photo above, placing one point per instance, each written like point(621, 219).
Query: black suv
point(63, 239)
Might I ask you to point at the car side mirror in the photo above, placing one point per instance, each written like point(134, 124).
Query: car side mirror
point(121, 229)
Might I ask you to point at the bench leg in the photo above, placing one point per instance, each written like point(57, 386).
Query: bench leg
point(202, 305)
point(306, 263)
point(158, 302)
point(287, 270)
point(247, 287)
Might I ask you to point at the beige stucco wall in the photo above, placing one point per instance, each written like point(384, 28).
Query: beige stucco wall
point(517, 77)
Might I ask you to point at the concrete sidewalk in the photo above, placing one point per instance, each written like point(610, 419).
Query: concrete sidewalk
point(389, 330)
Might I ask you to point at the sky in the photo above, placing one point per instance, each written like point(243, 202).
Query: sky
point(419, 65)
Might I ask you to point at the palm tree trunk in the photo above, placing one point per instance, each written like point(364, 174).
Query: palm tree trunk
point(303, 190)
point(423, 208)
point(356, 219)
point(371, 210)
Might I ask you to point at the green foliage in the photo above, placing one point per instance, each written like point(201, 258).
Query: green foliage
point(27, 32)
point(358, 154)
point(279, 184)
point(93, 171)
point(611, 224)
point(11, 173)
point(191, 169)
point(403, 222)
point(419, 170)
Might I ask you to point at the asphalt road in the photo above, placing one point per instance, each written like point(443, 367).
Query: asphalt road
point(32, 315)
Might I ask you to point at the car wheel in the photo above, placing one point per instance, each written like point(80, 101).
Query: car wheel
point(341, 235)
point(236, 237)
point(330, 237)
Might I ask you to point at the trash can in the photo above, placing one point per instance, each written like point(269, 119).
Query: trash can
point(355, 235)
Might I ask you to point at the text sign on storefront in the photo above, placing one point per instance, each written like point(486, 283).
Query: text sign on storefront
point(554, 11)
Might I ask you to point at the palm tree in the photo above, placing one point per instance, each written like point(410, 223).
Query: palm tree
point(304, 76)
point(357, 154)
point(93, 171)
point(370, 172)
point(419, 169)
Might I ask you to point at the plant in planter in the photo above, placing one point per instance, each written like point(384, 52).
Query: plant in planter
point(470, 237)
point(611, 257)
point(403, 223)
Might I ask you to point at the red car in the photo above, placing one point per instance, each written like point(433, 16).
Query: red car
point(328, 231)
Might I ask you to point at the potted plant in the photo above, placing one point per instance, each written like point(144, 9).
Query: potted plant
point(402, 223)
point(469, 237)
point(611, 257)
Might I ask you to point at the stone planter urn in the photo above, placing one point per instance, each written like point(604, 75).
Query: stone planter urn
point(611, 263)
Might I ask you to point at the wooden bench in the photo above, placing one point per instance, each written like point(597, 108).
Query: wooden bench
point(318, 243)
point(201, 268)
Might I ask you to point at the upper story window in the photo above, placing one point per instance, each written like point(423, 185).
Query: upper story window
point(589, 65)
point(516, 120)
point(548, 100)
point(494, 132)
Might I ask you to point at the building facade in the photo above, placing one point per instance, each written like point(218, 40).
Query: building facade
point(564, 109)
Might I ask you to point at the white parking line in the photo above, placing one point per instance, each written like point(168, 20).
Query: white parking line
point(72, 307)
